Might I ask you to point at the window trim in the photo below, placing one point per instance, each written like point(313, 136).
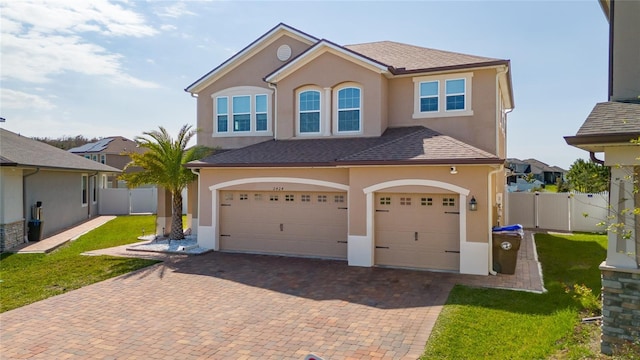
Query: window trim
point(84, 189)
point(253, 92)
point(336, 125)
point(218, 114)
point(320, 112)
point(93, 189)
point(446, 95)
point(442, 95)
point(420, 96)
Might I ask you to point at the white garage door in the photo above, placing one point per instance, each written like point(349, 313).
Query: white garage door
point(287, 223)
point(418, 231)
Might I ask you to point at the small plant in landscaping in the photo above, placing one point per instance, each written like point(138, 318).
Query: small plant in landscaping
point(583, 295)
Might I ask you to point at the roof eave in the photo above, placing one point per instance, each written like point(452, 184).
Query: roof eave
point(193, 88)
point(292, 65)
point(479, 161)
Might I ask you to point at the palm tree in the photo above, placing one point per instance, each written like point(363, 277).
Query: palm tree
point(162, 164)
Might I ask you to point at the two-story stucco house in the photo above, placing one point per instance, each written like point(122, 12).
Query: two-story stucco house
point(380, 154)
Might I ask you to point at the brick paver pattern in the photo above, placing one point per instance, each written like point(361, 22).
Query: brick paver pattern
point(240, 306)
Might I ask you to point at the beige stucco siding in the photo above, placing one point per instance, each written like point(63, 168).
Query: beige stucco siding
point(250, 73)
point(478, 130)
point(210, 177)
point(329, 71)
point(473, 178)
point(626, 50)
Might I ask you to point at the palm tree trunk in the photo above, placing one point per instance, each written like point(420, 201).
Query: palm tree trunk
point(177, 233)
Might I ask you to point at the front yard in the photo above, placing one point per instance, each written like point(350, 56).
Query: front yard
point(27, 278)
point(491, 323)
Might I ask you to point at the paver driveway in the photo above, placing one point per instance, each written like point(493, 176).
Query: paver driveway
point(234, 306)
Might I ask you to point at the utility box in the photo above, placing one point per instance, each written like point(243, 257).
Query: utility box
point(506, 242)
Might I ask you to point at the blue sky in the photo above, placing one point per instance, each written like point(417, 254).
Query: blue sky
point(102, 68)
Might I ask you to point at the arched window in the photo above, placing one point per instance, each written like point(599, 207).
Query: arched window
point(349, 106)
point(309, 112)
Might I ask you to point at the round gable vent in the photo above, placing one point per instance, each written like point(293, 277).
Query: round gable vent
point(284, 52)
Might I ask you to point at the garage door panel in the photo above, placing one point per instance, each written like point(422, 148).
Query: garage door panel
point(417, 230)
point(289, 223)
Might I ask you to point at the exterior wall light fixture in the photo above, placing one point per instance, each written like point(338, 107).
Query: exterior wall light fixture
point(473, 204)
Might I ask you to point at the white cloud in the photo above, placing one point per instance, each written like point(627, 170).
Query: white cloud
point(175, 11)
point(45, 38)
point(11, 99)
point(168, 27)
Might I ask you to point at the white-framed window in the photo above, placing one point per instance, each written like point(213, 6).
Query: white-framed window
point(241, 108)
point(455, 94)
point(442, 95)
point(103, 158)
point(309, 113)
point(85, 189)
point(87, 156)
point(103, 181)
point(429, 96)
point(222, 114)
point(349, 108)
point(94, 157)
point(94, 189)
point(242, 111)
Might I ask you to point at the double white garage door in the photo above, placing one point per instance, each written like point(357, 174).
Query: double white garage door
point(412, 230)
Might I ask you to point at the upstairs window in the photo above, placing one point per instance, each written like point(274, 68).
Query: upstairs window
point(429, 91)
point(242, 113)
point(261, 113)
point(222, 114)
point(309, 112)
point(349, 119)
point(455, 94)
point(442, 95)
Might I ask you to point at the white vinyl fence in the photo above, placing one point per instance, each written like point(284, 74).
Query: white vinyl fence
point(122, 201)
point(558, 211)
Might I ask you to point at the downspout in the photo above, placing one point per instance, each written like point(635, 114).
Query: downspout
point(275, 109)
point(24, 200)
point(490, 217)
point(593, 158)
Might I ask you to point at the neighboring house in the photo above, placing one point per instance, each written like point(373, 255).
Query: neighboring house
point(31, 171)
point(110, 151)
point(613, 128)
point(370, 153)
point(544, 173)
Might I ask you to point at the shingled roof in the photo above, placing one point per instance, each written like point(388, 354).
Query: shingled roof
point(404, 58)
point(405, 145)
point(608, 122)
point(18, 150)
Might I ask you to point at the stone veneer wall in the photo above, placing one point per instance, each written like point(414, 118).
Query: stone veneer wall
point(620, 307)
point(11, 235)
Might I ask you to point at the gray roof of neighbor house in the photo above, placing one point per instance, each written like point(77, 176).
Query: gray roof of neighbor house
point(405, 145)
point(609, 122)
point(538, 166)
point(97, 146)
point(17, 150)
point(108, 145)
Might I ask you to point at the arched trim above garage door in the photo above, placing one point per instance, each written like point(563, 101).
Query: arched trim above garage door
point(418, 182)
point(280, 180)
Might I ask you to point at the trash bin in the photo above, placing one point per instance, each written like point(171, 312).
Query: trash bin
point(35, 230)
point(506, 243)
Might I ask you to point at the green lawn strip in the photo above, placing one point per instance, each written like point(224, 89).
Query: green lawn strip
point(27, 278)
point(491, 323)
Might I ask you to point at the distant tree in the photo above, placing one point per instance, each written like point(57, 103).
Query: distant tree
point(66, 142)
point(588, 176)
point(562, 186)
point(162, 164)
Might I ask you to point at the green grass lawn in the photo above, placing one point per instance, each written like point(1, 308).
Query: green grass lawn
point(501, 324)
point(27, 278)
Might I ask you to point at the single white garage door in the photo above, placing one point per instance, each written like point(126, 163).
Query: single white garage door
point(418, 231)
point(286, 223)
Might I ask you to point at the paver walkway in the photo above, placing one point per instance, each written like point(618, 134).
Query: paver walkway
point(53, 242)
point(236, 306)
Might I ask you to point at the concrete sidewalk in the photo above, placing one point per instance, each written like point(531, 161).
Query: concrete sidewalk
point(53, 242)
